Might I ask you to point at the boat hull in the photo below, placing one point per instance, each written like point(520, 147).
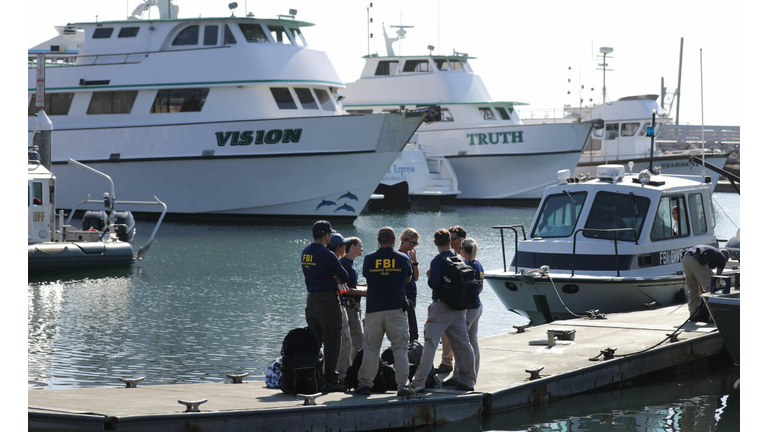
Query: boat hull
point(56, 256)
point(508, 163)
point(212, 168)
point(537, 298)
point(725, 311)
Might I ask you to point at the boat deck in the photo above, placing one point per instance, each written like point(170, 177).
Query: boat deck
point(569, 368)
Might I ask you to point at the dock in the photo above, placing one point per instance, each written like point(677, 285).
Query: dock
point(603, 352)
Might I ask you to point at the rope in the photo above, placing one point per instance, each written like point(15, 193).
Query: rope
point(724, 212)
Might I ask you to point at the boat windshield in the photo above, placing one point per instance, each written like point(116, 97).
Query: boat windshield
point(613, 210)
point(559, 214)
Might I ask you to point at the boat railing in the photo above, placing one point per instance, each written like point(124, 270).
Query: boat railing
point(514, 228)
point(615, 232)
point(111, 58)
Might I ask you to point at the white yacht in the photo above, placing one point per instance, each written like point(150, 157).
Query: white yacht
point(491, 153)
point(624, 138)
point(223, 116)
point(608, 244)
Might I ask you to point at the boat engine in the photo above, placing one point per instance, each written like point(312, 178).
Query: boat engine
point(125, 227)
point(94, 219)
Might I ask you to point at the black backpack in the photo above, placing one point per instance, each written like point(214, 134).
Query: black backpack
point(302, 368)
point(414, 358)
point(459, 289)
point(351, 382)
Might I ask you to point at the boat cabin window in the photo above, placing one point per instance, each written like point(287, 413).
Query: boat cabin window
point(283, 97)
point(416, 66)
point(442, 64)
point(55, 104)
point(229, 38)
point(254, 33)
point(386, 67)
point(458, 65)
point(644, 128)
point(103, 33)
point(112, 102)
point(612, 130)
point(670, 221)
point(37, 194)
point(127, 32)
point(279, 34)
point(629, 129)
point(559, 214)
point(325, 100)
point(698, 217)
point(612, 211)
point(359, 112)
point(305, 98)
point(487, 114)
point(446, 115)
point(188, 36)
point(502, 113)
point(298, 39)
point(598, 133)
point(179, 100)
point(211, 35)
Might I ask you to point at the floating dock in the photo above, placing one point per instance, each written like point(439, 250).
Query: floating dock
point(603, 352)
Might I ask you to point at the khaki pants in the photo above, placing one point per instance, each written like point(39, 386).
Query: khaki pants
point(695, 274)
point(393, 323)
point(442, 319)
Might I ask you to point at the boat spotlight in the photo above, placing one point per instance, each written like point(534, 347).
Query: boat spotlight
point(232, 7)
point(644, 176)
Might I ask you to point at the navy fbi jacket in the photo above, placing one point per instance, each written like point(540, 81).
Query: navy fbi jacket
point(437, 270)
point(319, 266)
point(386, 271)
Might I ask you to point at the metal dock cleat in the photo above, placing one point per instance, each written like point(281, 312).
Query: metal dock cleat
point(193, 406)
point(237, 378)
point(309, 399)
point(608, 353)
point(131, 382)
point(651, 305)
point(535, 373)
point(521, 328)
point(673, 337)
point(595, 314)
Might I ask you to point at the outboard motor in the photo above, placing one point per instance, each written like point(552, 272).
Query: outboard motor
point(94, 219)
point(125, 227)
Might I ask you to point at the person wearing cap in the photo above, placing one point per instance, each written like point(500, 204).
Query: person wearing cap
point(387, 272)
point(323, 312)
point(698, 263)
point(338, 245)
point(441, 318)
point(458, 234)
point(409, 239)
point(353, 298)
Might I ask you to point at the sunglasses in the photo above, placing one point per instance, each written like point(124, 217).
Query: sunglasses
point(413, 244)
point(455, 238)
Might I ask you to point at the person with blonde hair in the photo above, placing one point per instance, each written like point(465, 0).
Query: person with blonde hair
point(409, 239)
point(469, 253)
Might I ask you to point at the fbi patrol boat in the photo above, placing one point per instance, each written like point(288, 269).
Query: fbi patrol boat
point(105, 238)
point(608, 244)
point(223, 116)
point(480, 142)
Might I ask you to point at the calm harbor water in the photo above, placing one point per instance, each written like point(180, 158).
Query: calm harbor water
point(213, 299)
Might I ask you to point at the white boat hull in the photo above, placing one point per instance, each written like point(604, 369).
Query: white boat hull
point(669, 164)
point(196, 169)
point(536, 296)
point(511, 162)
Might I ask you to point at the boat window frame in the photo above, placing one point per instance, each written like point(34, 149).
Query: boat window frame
point(417, 66)
point(36, 192)
point(661, 229)
point(306, 103)
point(229, 36)
point(440, 62)
point(259, 38)
point(186, 36)
point(167, 100)
point(700, 217)
point(279, 96)
point(208, 38)
point(445, 115)
point(565, 198)
point(276, 30)
point(612, 131)
point(325, 104)
point(111, 102)
point(624, 129)
point(460, 63)
point(503, 113)
point(298, 37)
point(487, 113)
point(384, 68)
point(102, 32)
point(616, 221)
point(55, 104)
point(128, 32)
